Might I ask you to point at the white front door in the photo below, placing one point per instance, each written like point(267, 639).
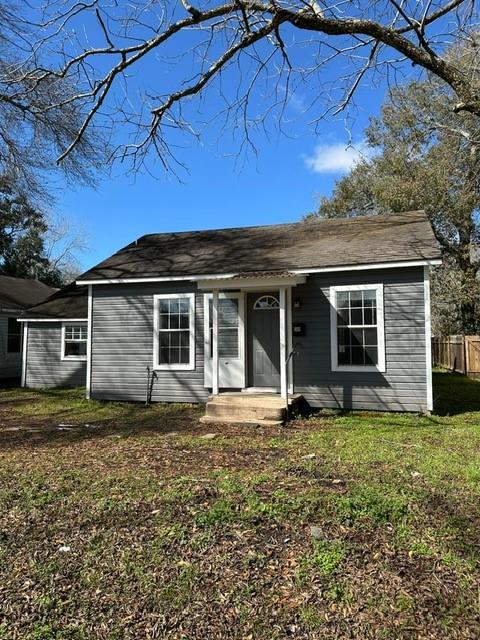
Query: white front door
point(231, 340)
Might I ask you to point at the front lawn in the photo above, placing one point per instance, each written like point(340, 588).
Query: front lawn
point(122, 522)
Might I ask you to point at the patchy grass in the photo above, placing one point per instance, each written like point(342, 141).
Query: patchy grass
point(121, 522)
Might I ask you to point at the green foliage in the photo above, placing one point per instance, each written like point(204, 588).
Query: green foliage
point(425, 156)
point(22, 240)
point(378, 505)
point(327, 556)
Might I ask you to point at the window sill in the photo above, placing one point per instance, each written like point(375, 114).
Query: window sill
point(174, 367)
point(77, 358)
point(358, 369)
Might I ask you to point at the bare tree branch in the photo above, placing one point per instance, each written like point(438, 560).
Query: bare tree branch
point(232, 39)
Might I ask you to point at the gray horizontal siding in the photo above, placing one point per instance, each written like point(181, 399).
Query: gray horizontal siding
point(403, 385)
point(45, 367)
point(10, 363)
point(122, 345)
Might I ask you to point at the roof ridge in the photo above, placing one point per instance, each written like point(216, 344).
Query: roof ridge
point(310, 220)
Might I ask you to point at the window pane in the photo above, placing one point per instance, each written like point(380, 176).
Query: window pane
point(175, 339)
point(184, 355)
point(356, 337)
point(164, 306)
point(76, 348)
point(164, 322)
point(371, 355)
point(370, 337)
point(369, 316)
point(184, 305)
point(13, 336)
point(356, 316)
point(174, 306)
point(357, 355)
point(343, 298)
point(184, 321)
point(164, 339)
point(228, 312)
point(356, 299)
point(344, 355)
point(369, 297)
point(184, 338)
point(174, 321)
point(164, 355)
point(343, 337)
point(343, 316)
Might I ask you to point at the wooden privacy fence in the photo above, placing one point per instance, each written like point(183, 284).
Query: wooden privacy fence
point(458, 353)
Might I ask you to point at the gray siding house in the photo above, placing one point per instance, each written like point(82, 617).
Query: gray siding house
point(337, 311)
point(16, 295)
point(55, 340)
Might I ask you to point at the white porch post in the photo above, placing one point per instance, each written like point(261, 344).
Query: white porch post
point(289, 340)
point(283, 342)
point(215, 342)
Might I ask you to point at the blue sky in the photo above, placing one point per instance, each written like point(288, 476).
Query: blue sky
point(281, 184)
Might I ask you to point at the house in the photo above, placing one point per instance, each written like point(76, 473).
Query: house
point(337, 311)
point(16, 294)
point(55, 340)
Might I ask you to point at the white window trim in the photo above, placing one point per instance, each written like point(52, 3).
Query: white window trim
point(188, 366)
point(380, 367)
point(70, 324)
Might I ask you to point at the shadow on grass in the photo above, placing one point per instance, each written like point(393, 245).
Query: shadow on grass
point(61, 416)
point(454, 393)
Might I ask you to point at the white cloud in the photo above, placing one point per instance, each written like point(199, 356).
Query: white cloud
point(335, 158)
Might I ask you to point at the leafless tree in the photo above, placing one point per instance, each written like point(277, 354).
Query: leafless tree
point(248, 56)
point(39, 117)
point(64, 241)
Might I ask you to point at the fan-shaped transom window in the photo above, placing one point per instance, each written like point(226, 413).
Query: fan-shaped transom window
point(266, 302)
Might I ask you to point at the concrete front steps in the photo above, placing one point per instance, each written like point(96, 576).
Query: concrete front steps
point(248, 408)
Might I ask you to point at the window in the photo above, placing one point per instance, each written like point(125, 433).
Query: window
point(14, 336)
point(74, 342)
point(357, 331)
point(174, 331)
point(266, 302)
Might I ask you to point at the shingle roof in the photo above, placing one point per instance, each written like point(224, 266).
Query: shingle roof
point(69, 302)
point(19, 293)
point(285, 247)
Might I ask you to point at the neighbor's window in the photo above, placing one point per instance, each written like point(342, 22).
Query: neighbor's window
point(14, 336)
point(174, 331)
point(75, 341)
point(357, 328)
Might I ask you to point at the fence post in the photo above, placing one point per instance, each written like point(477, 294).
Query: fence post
point(467, 354)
